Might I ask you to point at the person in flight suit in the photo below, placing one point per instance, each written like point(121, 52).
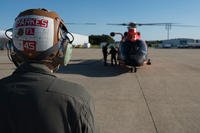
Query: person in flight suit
point(113, 53)
point(105, 53)
point(32, 99)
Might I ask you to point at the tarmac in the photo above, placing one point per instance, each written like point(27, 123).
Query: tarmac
point(160, 98)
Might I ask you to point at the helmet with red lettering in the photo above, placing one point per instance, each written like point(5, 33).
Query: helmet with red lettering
point(40, 35)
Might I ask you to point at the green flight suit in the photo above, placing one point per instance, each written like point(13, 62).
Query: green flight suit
point(32, 100)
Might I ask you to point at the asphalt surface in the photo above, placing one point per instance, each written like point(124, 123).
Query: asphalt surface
point(160, 98)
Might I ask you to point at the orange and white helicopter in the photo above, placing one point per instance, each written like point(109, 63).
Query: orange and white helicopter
point(132, 50)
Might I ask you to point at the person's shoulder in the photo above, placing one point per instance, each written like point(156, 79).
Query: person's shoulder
point(5, 84)
point(5, 80)
point(71, 89)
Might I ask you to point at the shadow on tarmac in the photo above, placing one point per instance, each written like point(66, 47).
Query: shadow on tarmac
point(92, 68)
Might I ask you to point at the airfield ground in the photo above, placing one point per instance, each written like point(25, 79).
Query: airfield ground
point(161, 98)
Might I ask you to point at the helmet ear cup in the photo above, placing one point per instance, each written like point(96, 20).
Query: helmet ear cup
point(65, 50)
point(64, 54)
point(68, 54)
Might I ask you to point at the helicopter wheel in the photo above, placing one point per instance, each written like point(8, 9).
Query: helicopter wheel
point(135, 69)
point(149, 62)
point(131, 69)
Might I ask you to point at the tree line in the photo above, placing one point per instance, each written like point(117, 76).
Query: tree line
point(97, 39)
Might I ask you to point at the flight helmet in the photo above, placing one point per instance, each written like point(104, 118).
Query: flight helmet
point(40, 35)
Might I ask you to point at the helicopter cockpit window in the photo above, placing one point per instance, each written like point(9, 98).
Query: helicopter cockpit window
point(136, 47)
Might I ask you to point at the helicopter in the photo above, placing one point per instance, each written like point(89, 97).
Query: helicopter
point(132, 50)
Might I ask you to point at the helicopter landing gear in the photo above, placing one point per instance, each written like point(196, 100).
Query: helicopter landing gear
point(135, 69)
point(148, 62)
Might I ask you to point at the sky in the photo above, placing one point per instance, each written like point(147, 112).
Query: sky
point(102, 12)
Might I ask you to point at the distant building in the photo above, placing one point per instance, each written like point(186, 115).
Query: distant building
point(180, 43)
point(80, 40)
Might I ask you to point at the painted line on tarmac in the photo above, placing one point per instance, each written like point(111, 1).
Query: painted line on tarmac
point(145, 99)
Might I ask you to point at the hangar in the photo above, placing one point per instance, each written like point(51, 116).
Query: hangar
point(81, 40)
point(180, 43)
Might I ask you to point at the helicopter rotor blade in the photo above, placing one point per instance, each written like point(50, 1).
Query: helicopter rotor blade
point(81, 23)
point(133, 24)
point(140, 24)
point(185, 25)
point(121, 24)
point(152, 24)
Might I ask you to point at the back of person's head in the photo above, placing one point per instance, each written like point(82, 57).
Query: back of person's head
point(40, 36)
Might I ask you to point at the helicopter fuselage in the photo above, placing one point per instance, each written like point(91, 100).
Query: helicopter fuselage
point(133, 53)
point(132, 49)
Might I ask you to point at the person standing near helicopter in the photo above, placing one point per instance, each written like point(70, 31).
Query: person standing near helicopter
point(113, 53)
point(32, 99)
point(105, 53)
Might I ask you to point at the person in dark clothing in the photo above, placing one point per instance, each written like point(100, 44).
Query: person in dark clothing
point(113, 53)
point(32, 99)
point(105, 53)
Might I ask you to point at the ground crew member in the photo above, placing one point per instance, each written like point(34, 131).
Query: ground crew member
point(105, 53)
point(32, 99)
point(113, 53)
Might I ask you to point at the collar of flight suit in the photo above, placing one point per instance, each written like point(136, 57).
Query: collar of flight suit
point(33, 67)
